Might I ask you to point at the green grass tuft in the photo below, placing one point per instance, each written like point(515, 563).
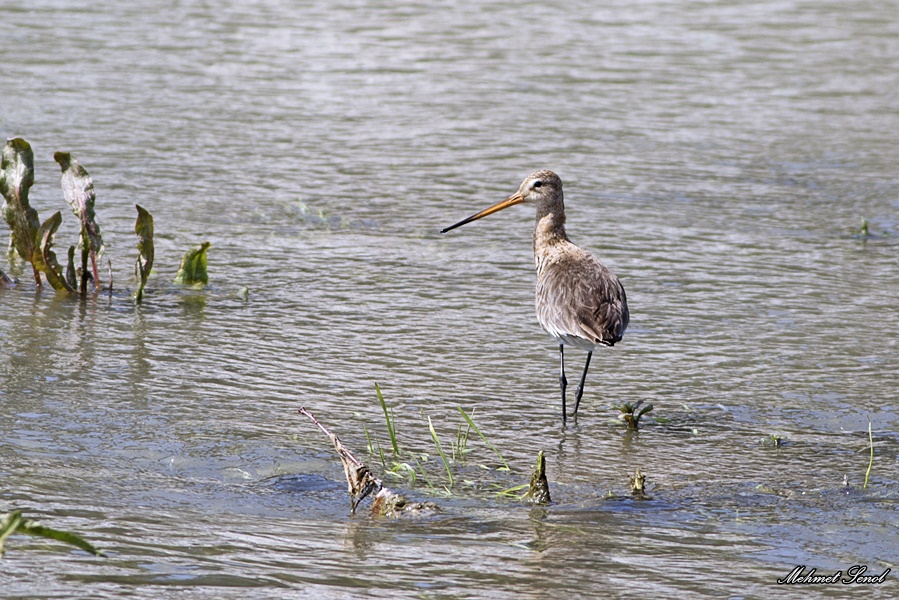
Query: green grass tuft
point(481, 435)
point(631, 415)
point(391, 423)
point(423, 472)
point(449, 471)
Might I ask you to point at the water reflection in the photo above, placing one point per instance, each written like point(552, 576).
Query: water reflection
point(718, 158)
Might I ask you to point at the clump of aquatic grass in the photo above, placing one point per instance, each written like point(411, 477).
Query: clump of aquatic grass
point(631, 413)
point(871, 455)
point(460, 446)
point(449, 471)
point(424, 473)
point(513, 492)
point(391, 421)
point(471, 424)
point(397, 468)
point(403, 470)
point(774, 440)
point(13, 522)
point(863, 230)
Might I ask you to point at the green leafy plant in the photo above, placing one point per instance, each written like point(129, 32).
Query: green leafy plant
point(391, 422)
point(400, 469)
point(143, 227)
point(44, 259)
point(32, 240)
point(13, 522)
point(16, 178)
point(460, 445)
point(193, 267)
point(471, 424)
point(449, 471)
point(78, 189)
point(631, 415)
point(863, 230)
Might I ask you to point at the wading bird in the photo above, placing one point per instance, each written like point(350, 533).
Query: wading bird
point(579, 301)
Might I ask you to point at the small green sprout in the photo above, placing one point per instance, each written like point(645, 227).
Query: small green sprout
point(631, 415)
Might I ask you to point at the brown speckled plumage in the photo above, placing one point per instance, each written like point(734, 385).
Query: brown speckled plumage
point(579, 301)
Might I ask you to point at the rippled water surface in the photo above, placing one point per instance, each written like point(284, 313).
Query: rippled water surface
point(718, 156)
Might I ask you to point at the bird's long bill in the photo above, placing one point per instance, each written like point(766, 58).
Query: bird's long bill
point(510, 201)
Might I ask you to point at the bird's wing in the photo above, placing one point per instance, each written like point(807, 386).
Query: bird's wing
point(577, 295)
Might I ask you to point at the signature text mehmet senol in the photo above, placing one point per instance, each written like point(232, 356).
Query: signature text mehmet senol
point(854, 575)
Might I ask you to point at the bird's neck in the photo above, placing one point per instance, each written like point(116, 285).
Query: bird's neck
point(550, 227)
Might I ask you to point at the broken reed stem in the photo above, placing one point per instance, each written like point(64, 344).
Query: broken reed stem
point(360, 481)
point(871, 457)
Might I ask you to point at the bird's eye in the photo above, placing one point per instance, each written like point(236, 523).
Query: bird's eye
point(537, 183)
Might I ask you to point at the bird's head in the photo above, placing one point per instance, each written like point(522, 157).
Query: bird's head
point(540, 188)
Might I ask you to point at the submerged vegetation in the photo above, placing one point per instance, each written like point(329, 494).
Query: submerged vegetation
point(401, 469)
point(78, 189)
point(13, 522)
point(631, 415)
point(361, 482)
point(16, 179)
point(143, 228)
point(32, 240)
point(638, 484)
point(193, 267)
point(538, 489)
point(864, 231)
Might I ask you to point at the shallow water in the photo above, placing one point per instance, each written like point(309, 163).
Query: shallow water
point(718, 156)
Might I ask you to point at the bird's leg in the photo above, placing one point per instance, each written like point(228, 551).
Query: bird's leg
point(580, 387)
point(563, 383)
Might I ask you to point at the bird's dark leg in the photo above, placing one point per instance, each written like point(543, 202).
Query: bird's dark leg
point(580, 387)
point(563, 383)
